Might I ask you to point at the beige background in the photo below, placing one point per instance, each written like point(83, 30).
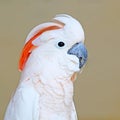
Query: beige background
point(97, 89)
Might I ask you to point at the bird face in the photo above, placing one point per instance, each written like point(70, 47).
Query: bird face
point(59, 43)
point(61, 51)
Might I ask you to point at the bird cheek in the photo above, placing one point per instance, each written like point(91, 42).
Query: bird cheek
point(73, 63)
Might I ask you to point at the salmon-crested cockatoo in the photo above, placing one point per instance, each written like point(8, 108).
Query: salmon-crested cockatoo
point(52, 55)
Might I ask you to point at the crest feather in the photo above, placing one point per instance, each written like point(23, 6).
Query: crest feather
point(29, 47)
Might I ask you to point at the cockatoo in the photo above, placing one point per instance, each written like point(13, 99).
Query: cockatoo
point(52, 55)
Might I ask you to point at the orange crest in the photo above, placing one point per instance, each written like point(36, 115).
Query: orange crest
point(29, 47)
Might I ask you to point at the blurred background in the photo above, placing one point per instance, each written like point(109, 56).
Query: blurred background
point(97, 89)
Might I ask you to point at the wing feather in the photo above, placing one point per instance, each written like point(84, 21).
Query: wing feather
point(23, 105)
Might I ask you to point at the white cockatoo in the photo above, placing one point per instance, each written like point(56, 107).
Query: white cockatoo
point(53, 53)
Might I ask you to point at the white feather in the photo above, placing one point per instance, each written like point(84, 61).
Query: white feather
point(45, 91)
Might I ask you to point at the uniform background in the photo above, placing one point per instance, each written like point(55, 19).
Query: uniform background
point(97, 89)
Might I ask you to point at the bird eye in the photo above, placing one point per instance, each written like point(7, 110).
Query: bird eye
point(61, 44)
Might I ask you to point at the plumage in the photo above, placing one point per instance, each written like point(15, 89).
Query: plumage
point(52, 55)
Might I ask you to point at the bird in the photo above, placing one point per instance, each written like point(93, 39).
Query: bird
point(53, 53)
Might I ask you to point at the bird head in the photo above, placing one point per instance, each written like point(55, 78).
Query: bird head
point(59, 44)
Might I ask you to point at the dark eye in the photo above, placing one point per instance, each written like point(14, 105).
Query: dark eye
point(61, 44)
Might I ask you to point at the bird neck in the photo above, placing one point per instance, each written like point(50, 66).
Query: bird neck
point(56, 92)
point(50, 79)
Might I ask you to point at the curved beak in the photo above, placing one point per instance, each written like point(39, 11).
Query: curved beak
point(80, 51)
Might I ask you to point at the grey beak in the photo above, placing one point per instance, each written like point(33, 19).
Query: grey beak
point(80, 51)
